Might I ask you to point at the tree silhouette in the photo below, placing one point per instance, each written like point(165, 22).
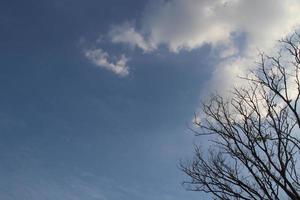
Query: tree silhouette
point(254, 134)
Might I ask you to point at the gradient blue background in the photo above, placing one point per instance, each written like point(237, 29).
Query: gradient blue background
point(70, 130)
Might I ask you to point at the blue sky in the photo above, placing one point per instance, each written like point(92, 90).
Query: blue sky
point(95, 95)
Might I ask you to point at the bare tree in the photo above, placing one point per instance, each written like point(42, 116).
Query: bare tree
point(254, 134)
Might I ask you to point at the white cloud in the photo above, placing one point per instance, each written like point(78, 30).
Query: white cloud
point(189, 24)
point(182, 24)
point(126, 33)
point(102, 59)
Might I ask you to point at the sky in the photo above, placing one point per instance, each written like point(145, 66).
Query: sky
point(96, 95)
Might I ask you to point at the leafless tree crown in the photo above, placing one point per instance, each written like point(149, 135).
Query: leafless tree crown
point(254, 134)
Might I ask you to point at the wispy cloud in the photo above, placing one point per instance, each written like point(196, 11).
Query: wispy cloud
point(102, 59)
point(126, 33)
